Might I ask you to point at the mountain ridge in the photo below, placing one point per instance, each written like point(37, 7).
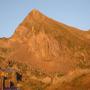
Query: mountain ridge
point(47, 47)
point(36, 18)
point(45, 38)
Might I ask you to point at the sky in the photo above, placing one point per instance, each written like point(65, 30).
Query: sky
point(75, 13)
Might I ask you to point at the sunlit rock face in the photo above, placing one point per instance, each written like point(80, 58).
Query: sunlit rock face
point(51, 47)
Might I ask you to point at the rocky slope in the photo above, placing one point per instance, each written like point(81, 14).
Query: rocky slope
point(44, 48)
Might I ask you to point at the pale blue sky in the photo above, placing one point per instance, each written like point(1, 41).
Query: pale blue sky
point(72, 12)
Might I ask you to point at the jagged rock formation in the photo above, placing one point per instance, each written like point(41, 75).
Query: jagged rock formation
point(47, 45)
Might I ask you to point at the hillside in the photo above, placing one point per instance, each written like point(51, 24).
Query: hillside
point(43, 49)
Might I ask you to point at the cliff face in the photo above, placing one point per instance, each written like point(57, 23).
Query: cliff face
point(47, 45)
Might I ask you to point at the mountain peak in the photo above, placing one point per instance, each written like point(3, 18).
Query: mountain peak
point(33, 19)
point(35, 16)
point(35, 13)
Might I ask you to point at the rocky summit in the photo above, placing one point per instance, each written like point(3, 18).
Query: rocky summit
point(48, 54)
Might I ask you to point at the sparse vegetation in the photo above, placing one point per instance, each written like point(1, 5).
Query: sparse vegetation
point(60, 74)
